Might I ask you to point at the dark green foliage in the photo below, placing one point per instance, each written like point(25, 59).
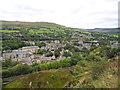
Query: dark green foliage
point(113, 52)
point(67, 54)
point(21, 69)
point(71, 48)
point(75, 58)
point(40, 44)
point(65, 63)
point(9, 63)
point(41, 51)
point(6, 73)
point(36, 68)
point(57, 53)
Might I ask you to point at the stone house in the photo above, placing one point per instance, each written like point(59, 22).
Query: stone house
point(115, 45)
point(31, 49)
point(17, 55)
point(53, 46)
point(87, 45)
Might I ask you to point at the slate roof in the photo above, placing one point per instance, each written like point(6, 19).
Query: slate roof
point(30, 47)
point(14, 53)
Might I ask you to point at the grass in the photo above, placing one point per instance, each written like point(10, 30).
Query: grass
point(115, 36)
point(9, 31)
point(46, 31)
point(39, 31)
point(42, 79)
point(101, 75)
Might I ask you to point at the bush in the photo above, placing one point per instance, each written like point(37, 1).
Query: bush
point(53, 76)
point(98, 69)
point(82, 63)
point(21, 69)
point(36, 68)
point(6, 73)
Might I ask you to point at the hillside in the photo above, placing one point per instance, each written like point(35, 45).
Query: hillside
point(48, 55)
point(42, 79)
point(105, 30)
point(83, 75)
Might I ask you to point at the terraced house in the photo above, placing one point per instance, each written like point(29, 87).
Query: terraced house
point(31, 49)
point(17, 55)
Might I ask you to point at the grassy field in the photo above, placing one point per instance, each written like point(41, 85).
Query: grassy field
point(9, 31)
point(39, 31)
point(115, 36)
point(46, 31)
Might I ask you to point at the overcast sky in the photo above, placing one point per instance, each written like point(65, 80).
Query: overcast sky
point(71, 13)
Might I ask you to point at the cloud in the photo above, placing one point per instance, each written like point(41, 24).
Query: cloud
point(71, 13)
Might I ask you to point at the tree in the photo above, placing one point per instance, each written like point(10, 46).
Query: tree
point(67, 54)
point(36, 68)
point(65, 63)
point(20, 69)
point(40, 44)
point(57, 53)
point(8, 63)
point(49, 54)
point(55, 65)
point(41, 51)
point(6, 73)
point(93, 57)
point(75, 58)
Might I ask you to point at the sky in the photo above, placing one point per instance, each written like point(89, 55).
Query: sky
point(71, 13)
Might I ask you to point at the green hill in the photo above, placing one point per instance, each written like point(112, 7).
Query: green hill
point(42, 79)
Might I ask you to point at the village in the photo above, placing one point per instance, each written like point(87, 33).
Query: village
point(29, 54)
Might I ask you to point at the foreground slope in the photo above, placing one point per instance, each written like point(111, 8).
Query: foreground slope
point(42, 79)
point(85, 74)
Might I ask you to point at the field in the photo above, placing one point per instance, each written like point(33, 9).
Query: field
point(9, 31)
point(39, 31)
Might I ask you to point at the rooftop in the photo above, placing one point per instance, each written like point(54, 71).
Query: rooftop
point(14, 53)
point(30, 47)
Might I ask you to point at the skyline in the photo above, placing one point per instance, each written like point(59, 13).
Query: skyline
point(71, 13)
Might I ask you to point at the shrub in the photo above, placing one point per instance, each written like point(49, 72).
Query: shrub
point(82, 63)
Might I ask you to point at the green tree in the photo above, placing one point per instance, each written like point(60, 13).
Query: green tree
point(6, 73)
point(65, 63)
point(8, 63)
point(57, 53)
point(36, 68)
point(40, 44)
point(67, 54)
point(41, 51)
point(20, 69)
